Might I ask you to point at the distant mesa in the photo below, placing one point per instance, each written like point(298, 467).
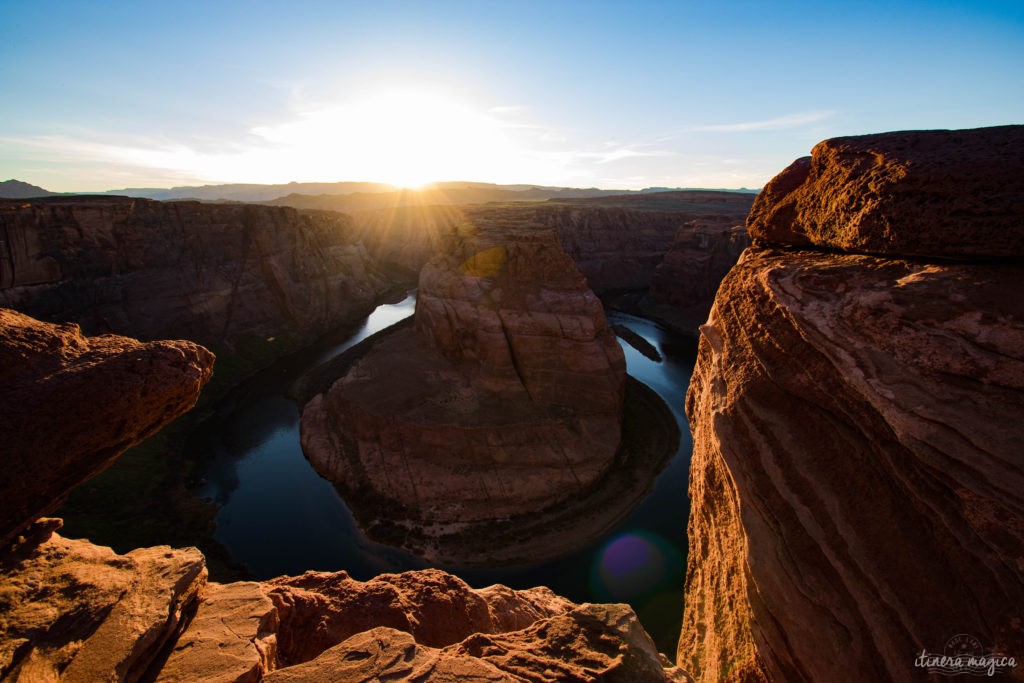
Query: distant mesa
point(17, 189)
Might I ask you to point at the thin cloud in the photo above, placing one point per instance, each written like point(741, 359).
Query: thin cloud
point(788, 121)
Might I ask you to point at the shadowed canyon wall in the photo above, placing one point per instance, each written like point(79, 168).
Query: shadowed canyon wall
point(222, 275)
point(857, 480)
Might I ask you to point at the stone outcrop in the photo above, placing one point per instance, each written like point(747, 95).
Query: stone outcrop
point(857, 473)
point(71, 404)
point(223, 275)
point(74, 611)
point(78, 612)
point(958, 193)
point(504, 398)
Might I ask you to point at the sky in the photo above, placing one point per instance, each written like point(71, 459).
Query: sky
point(619, 95)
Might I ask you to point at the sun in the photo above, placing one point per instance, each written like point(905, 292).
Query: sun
point(403, 135)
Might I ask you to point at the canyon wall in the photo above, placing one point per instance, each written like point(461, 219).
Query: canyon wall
point(222, 275)
point(857, 472)
point(74, 611)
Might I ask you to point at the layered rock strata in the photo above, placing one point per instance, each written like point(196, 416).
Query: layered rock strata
point(857, 473)
point(504, 398)
point(684, 283)
point(223, 275)
point(71, 404)
point(74, 611)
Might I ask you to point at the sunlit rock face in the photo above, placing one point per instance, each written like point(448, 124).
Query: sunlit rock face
point(857, 473)
point(69, 405)
point(221, 274)
point(504, 397)
point(75, 611)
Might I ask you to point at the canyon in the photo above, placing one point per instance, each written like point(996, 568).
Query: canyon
point(225, 276)
point(856, 479)
point(71, 610)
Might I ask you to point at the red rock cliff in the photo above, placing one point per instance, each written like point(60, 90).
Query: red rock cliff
point(857, 480)
point(219, 274)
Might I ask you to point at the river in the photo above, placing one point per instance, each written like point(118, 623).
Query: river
point(277, 516)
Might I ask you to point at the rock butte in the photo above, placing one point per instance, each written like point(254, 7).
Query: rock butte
point(503, 399)
point(857, 480)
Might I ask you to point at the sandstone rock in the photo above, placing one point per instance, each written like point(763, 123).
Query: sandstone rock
point(418, 626)
point(505, 399)
point(232, 639)
point(319, 610)
point(684, 283)
point(940, 193)
point(386, 654)
point(224, 275)
point(71, 404)
point(857, 474)
point(73, 611)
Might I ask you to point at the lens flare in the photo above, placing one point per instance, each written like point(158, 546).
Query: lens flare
point(633, 564)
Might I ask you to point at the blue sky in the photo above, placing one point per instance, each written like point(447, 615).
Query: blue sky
point(621, 95)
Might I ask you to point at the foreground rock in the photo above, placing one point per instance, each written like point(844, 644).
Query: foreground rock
point(78, 612)
point(74, 611)
point(504, 399)
point(71, 404)
point(930, 193)
point(857, 442)
point(224, 275)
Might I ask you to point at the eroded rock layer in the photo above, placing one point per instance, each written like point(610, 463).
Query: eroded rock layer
point(73, 611)
point(505, 397)
point(857, 473)
point(684, 283)
point(71, 404)
point(223, 275)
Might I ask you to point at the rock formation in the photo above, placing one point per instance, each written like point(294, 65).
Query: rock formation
point(504, 398)
point(78, 612)
point(71, 404)
point(223, 275)
point(857, 473)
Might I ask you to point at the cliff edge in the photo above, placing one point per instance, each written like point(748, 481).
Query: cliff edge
point(857, 480)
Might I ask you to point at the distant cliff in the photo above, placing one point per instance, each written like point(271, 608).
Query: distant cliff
point(221, 275)
point(857, 480)
point(678, 244)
